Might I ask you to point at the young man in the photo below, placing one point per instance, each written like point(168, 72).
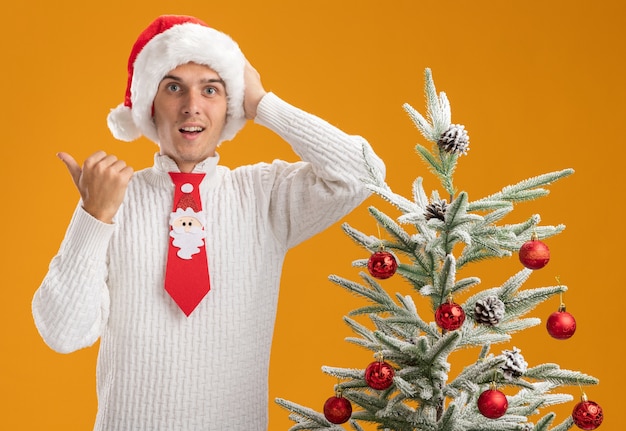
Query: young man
point(176, 268)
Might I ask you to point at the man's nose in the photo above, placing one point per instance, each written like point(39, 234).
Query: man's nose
point(192, 103)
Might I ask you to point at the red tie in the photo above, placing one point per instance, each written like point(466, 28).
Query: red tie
point(187, 272)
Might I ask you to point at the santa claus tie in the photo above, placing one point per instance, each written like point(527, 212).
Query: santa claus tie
point(187, 272)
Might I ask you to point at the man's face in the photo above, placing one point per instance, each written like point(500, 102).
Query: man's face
point(190, 113)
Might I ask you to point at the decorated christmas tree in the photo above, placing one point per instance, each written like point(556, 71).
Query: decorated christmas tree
point(407, 384)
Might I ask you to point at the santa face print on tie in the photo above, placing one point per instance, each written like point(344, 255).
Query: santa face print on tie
point(187, 231)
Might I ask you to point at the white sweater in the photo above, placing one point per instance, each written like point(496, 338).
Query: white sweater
point(158, 369)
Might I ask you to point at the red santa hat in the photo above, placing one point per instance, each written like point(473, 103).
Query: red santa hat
point(168, 42)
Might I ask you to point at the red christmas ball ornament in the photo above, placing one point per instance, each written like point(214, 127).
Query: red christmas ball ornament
point(587, 415)
point(492, 404)
point(379, 375)
point(561, 324)
point(534, 254)
point(337, 409)
point(382, 264)
point(450, 316)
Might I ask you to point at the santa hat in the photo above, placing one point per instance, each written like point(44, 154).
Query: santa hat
point(168, 42)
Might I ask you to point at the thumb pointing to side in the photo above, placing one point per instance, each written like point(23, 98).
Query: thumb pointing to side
point(101, 181)
point(72, 166)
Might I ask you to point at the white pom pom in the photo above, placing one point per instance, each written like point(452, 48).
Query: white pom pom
point(121, 124)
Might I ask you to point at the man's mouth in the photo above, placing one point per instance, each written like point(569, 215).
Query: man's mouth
point(191, 129)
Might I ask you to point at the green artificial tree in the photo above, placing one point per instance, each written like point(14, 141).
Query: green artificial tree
point(407, 386)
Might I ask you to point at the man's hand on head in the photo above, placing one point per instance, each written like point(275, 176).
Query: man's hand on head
point(101, 182)
point(254, 91)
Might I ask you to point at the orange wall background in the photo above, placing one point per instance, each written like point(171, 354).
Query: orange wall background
point(538, 85)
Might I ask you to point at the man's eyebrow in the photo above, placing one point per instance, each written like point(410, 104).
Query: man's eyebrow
point(215, 80)
point(208, 80)
point(173, 77)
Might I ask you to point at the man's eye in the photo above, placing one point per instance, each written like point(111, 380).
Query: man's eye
point(173, 87)
point(210, 90)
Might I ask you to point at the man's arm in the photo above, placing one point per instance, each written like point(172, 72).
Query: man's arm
point(308, 196)
point(72, 303)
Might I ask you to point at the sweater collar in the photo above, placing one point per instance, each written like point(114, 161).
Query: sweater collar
point(164, 164)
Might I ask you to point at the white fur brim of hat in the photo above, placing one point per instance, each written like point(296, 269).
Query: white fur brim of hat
point(181, 44)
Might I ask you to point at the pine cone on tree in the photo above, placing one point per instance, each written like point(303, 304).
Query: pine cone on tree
point(515, 364)
point(454, 140)
point(489, 310)
point(436, 209)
